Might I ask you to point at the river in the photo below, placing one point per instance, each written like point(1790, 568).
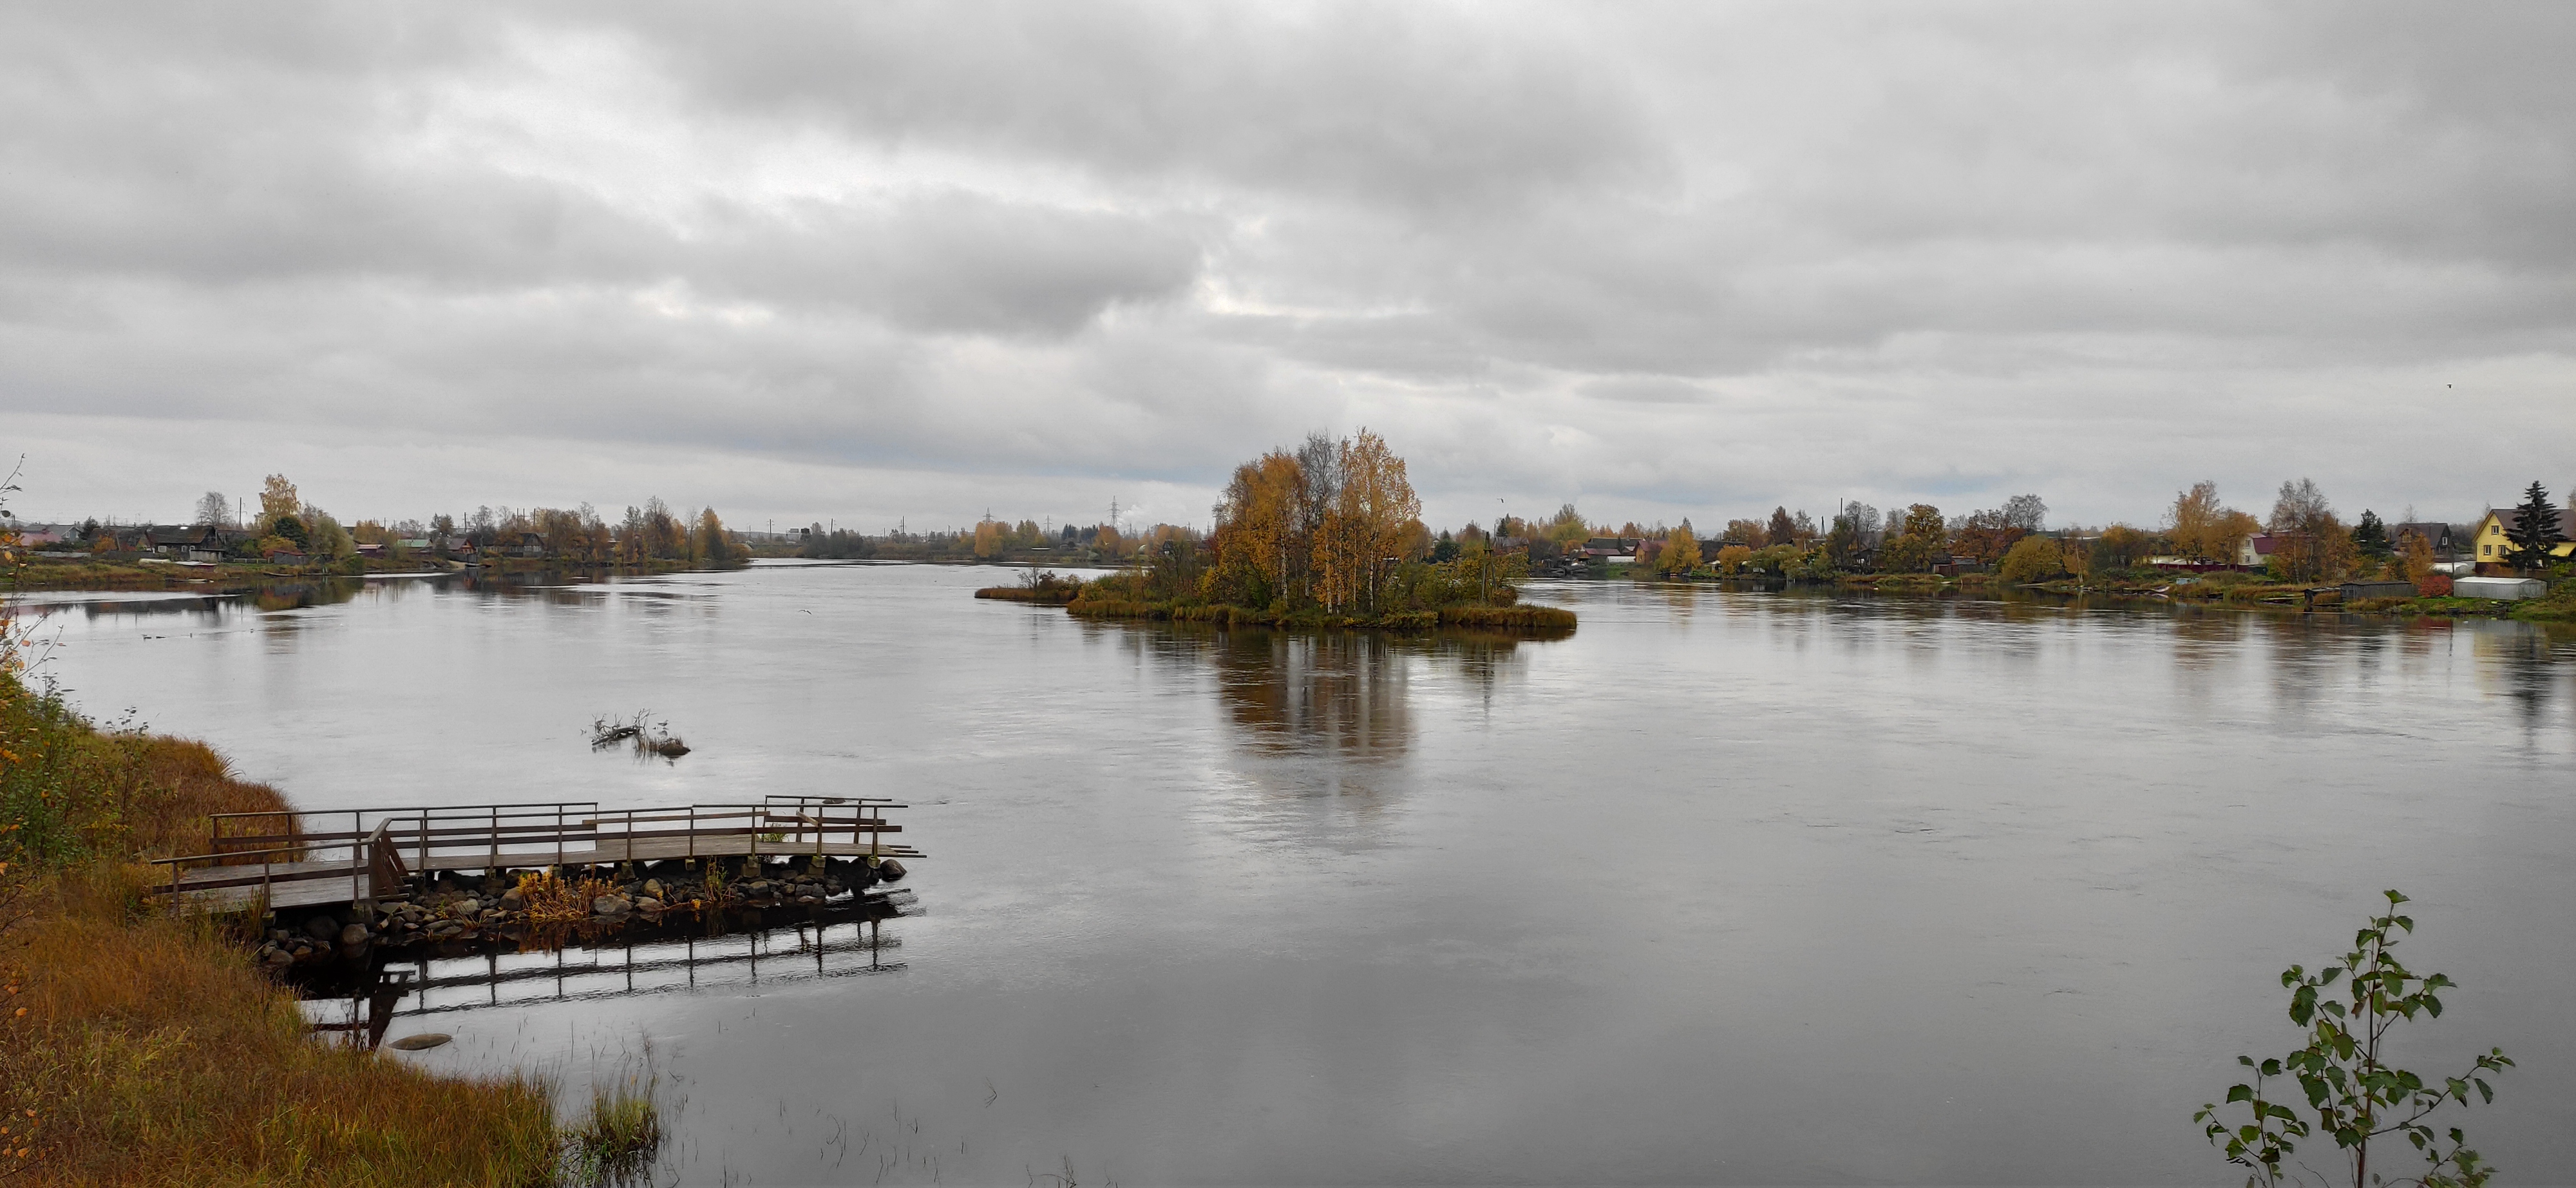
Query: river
point(1728, 887)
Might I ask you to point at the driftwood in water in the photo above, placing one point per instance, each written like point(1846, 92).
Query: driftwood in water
point(650, 737)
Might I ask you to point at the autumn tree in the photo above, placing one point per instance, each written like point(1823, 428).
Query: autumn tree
point(2308, 542)
point(2194, 519)
point(1732, 559)
point(277, 498)
point(2076, 558)
point(710, 543)
point(1258, 528)
point(1984, 536)
point(2032, 559)
point(1916, 544)
point(1364, 527)
point(1782, 529)
point(2415, 557)
point(326, 539)
point(2121, 547)
point(1680, 553)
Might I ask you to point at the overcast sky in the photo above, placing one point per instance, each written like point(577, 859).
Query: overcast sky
point(861, 262)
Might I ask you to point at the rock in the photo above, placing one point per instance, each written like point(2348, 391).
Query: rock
point(414, 1043)
point(610, 906)
point(890, 871)
point(809, 899)
point(513, 900)
point(468, 906)
point(648, 904)
point(355, 934)
point(653, 887)
point(322, 928)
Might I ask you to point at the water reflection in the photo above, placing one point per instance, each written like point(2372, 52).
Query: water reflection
point(1326, 714)
point(739, 949)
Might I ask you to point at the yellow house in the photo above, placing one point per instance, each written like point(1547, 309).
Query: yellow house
point(2493, 541)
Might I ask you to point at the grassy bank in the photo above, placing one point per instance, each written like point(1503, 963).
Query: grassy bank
point(143, 1048)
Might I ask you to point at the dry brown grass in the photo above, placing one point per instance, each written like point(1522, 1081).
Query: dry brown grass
point(179, 783)
point(549, 899)
point(151, 1053)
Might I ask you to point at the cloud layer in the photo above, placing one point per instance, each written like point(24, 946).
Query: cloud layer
point(861, 262)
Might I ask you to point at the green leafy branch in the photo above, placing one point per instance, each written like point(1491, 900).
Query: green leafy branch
point(2352, 1095)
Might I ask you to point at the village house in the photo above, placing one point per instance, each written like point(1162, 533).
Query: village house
point(1611, 550)
point(197, 542)
point(2492, 542)
point(2438, 537)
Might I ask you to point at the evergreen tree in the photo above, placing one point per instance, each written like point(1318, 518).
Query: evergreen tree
point(2535, 529)
point(2370, 536)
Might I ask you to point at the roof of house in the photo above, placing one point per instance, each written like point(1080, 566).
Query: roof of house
point(2262, 542)
point(2511, 518)
point(2428, 529)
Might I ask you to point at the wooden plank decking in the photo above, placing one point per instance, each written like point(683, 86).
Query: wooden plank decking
point(376, 860)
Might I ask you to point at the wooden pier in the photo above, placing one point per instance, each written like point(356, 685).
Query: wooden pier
point(279, 859)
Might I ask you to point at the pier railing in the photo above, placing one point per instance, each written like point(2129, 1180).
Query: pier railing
point(376, 850)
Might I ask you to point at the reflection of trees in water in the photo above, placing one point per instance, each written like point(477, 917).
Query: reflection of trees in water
point(2522, 662)
point(1340, 695)
point(1332, 708)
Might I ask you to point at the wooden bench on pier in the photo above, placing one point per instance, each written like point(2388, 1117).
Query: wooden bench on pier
point(273, 857)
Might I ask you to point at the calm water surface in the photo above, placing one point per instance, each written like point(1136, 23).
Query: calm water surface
point(1728, 887)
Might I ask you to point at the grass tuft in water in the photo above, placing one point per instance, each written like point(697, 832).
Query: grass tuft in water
point(616, 1142)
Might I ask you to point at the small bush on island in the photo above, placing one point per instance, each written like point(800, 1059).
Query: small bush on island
point(1048, 589)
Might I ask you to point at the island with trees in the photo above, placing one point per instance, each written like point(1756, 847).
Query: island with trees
point(1328, 535)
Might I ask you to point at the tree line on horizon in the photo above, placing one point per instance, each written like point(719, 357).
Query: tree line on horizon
point(1270, 536)
point(288, 523)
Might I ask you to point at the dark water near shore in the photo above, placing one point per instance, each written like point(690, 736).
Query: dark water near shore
point(1729, 887)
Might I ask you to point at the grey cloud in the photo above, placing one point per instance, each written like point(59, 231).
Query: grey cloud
point(1425, 107)
point(1559, 252)
point(953, 261)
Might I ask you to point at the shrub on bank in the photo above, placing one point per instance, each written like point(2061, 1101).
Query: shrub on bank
point(139, 1047)
point(150, 1052)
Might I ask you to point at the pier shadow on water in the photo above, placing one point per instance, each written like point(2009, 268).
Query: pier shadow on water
point(362, 998)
